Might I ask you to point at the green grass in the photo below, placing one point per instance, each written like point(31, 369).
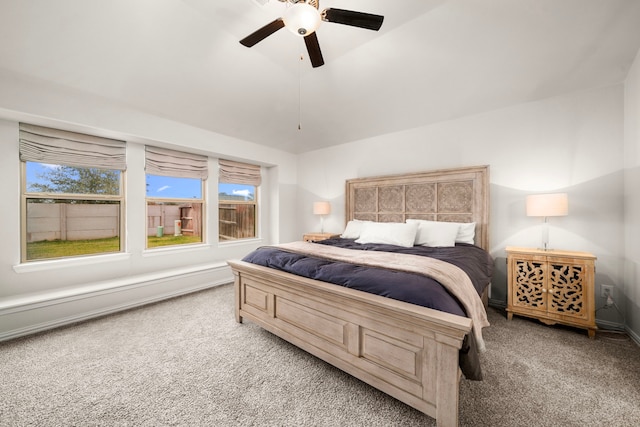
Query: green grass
point(153, 241)
point(68, 248)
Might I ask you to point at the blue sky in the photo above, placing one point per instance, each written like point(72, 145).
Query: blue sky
point(35, 169)
point(248, 191)
point(159, 186)
point(166, 186)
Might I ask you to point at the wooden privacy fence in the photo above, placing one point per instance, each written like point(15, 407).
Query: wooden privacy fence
point(236, 221)
point(188, 215)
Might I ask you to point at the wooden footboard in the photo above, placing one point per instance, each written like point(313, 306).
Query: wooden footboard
point(407, 351)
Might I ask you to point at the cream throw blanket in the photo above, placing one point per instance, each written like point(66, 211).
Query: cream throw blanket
point(454, 279)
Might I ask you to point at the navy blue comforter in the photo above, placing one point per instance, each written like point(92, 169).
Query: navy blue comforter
point(409, 287)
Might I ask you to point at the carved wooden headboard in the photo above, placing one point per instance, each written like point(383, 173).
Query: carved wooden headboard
point(454, 195)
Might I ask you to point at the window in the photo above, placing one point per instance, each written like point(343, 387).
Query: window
point(237, 200)
point(175, 201)
point(72, 194)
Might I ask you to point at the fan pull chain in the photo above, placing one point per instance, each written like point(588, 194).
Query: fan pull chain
point(300, 93)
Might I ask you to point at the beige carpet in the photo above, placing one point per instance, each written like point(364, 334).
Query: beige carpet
point(179, 363)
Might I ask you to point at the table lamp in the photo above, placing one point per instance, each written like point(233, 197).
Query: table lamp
point(546, 205)
point(322, 209)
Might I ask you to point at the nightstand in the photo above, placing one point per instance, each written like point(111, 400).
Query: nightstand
point(552, 286)
point(316, 237)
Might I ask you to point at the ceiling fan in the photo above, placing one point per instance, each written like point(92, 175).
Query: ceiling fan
point(303, 18)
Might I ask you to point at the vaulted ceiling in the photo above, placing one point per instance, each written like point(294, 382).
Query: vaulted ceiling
point(432, 60)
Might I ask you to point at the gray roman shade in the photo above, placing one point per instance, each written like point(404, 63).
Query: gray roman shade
point(161, 161)
point(239, 173)
point(59, 147)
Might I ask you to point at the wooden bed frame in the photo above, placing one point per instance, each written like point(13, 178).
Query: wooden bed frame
point(407, 351)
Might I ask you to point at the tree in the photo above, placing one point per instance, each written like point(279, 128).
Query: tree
point(75, 180)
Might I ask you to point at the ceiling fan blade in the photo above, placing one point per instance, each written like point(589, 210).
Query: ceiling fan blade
point(313, 48)
point(262, 33)
point(355, 19)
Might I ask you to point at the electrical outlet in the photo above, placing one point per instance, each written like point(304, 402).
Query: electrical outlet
point(606, 291)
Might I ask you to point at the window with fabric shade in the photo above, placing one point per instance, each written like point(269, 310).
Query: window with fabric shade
point(175, 197)
point(72, 193)
point(237, 200)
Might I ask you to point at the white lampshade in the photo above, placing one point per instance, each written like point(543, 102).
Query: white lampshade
point(545, 205)
point(321, 208)
point(302, 19)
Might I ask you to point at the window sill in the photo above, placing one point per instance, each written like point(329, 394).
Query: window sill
point(164, 250)
point(240, 242)
point(29, 267)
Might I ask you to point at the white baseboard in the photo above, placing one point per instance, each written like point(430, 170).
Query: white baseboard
point(28, 315)
point(635, 337)
point(610, 326)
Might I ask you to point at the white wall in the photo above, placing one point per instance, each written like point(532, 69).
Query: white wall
point(632, 197)
point(571, 143)
point(38, 295)
point(578, 143)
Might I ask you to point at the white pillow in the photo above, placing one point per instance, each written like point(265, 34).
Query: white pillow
point(466, 230)
point(393, 233)
point(466, 233)
point(353, 229)
point(435, 233)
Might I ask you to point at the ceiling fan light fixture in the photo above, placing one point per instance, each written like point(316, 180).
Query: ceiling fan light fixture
point(302, 19)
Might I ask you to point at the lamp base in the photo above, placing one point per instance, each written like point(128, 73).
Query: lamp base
point(545, 235)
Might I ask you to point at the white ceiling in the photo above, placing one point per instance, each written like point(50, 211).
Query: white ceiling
point(432, 60)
